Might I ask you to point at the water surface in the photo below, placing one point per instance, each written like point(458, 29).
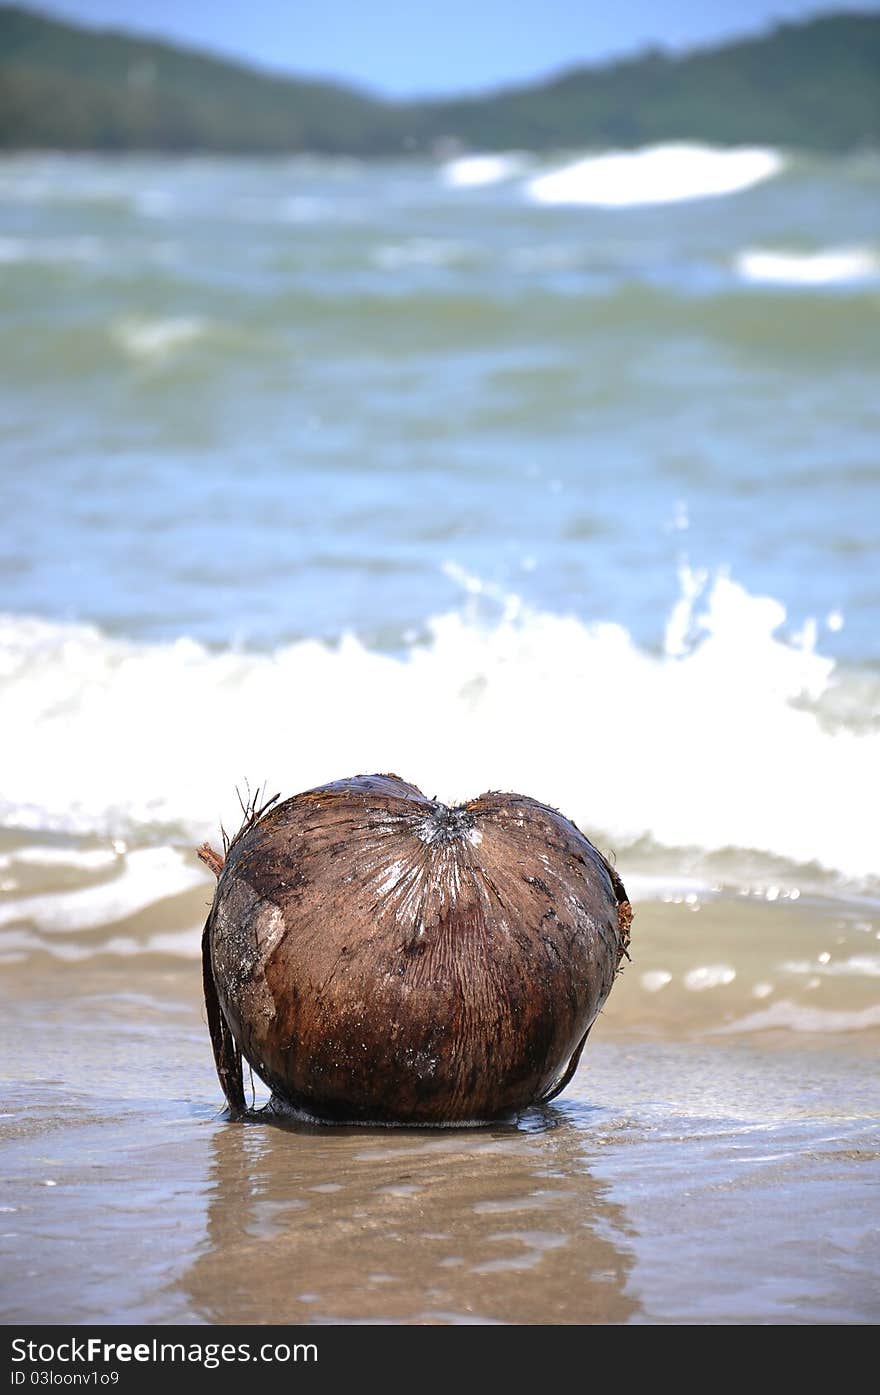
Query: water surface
point(556, 476)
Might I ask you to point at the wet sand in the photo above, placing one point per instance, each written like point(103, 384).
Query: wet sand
point(701, 1168)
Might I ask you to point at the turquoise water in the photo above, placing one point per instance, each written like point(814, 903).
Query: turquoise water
point(268, 423)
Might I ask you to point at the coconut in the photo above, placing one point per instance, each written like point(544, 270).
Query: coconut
point(377, 956)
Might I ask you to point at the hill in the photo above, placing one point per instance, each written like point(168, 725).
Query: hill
point(814, 85)
point(71, 88)
point(64, 86)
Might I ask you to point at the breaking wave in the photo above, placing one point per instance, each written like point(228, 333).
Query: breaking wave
point(713, 743)
point(832, 266)
point(655, 174)
point(476, 171)
point(153, 340)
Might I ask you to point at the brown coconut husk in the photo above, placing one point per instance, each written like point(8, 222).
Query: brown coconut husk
point(377, 956)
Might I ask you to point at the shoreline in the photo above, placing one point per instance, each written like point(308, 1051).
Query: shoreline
point(686, 1175)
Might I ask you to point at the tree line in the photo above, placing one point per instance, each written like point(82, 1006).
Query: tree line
point(813, 85)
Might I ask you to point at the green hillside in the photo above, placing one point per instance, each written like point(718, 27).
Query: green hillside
point(814, 85)
point(68, 87)
point(63, 86)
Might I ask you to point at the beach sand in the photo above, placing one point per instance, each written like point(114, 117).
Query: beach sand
point(716, 1158)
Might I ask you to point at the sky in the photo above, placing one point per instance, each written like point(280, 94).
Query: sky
point(406, 48)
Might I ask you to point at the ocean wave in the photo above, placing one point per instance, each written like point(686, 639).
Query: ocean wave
point(711, 744)
point(42, 856)
point(654, 175)
point(855, 966)
point(308, 208)
point(797, 1017)
point(832, 266)
point(476, 171)
point(170, 944)
point(154, 340)
point(63, 181)
point(423, 251)
point(45, 251)
point(147, 875)
point(154, 203)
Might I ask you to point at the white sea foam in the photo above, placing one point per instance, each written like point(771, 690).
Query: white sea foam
point(655, 980)
point(153, 340)
point(474, 171)
point(794, 1017)
point(82, 859)
point(149, 875)
point(856, 966)
point(179, 944)
point(654, 174)
point(709, 976)
point(712, 744)
point(833, 266)
point(648, 886)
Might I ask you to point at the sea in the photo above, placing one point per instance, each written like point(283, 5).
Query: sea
point(558, 475)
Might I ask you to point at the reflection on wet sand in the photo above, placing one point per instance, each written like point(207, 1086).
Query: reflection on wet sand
point(503, 1224)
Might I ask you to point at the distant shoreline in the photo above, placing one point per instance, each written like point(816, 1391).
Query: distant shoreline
point(65, 87)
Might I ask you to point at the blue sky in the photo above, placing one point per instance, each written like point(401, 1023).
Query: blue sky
point(403, 47)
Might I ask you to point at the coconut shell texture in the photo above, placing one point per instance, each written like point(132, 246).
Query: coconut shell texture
point(377, 956)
